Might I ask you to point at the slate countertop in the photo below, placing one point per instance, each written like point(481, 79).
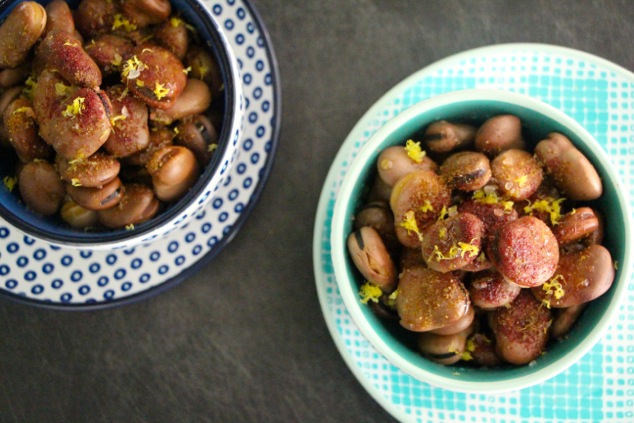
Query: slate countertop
point(244, 339)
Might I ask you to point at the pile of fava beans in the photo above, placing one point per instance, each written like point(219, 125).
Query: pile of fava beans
point(482, 250)
point(112, 109)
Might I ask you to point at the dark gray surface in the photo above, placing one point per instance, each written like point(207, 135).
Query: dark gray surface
point(244, 340)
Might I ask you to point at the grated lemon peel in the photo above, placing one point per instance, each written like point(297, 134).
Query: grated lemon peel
point(547, 205)
point(75, 108)
point(414, 151)
point(370, 292)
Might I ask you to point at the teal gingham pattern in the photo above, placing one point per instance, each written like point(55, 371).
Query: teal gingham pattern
point(599, 95)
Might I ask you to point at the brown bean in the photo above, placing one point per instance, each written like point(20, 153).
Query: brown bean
point(489, 290)
point(378, 215)
point(99, 198)
point(155, 76)
point(159, 138)
point(564, 319)
point(77, 216)
point(199, 135)
point(19, 32)
point(137, 206)
point(466, 171)
point(92, 172)
point(109, 51)
point(499, 133)
point(482, 351)
point(429, 300)
point(575, 225)
point(93, 17)
point(62, 52)
point(59, 17)
point(173, 35)
point(41, 188)
point(174, 171)
point(443, 136)
point(580, 277)
point(452, 243)
point(13, 76)
point(379, 190)
point(146, 12)
point(517, 174)
point(522, 329)
point(371, 258)
point(416, 201)
point(22, 130)
point(130, 131)
point(7, 98)
point(394, 162)
point(464, 323)
point(194, 99)
point(443, 349)
point(525, 252)
point(204, 67)
point(570, 169)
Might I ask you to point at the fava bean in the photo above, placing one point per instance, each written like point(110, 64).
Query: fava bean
point(195, 99)
point(173, 35)
point(99, 198)
point(517, 174)
point(576, 225)
point(19, 32)
point(482, 351)
point(489, 290)
point(444, 136)
point(146, 12)
point(13, 76)
point(199, 135)
point(443, 349)
point(372, 259)
point(564, 319)
point(22, 131)
point(108, 51)
point(94, 171)
point(94, 17)
point(174, 170)
point(137, 206)
point(378, 215)
point(499, 133)
point(77, 216)
point(130, 131)
point(464, 323)
point(59, 17)
point(394, 162)
point(466, 171)
point(40, 187)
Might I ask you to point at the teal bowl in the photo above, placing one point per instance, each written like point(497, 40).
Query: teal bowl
point(539, 119)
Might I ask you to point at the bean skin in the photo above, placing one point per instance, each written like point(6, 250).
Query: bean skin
point(174, 171)
point(130, 133)
point(564, 319)
point(378, 215)
point(146, 12)
point(466, 170)
point(98, 198)
point(443, 349)
point(92, 17)
point(576, 225)
point(498, 134)
point(371, 258)
point(464, 323)
point(444, 137)
point(19, 32)
point(159, 138)
point(173, 35)
point(137, 206)
point(517, 174)
point(489, 290)
point(22, 130)
point(108, 51)
point(92, 172)
point(195, 99)
point(59, 17)
point(41, 188)
point(393, 163)
point(199, 135)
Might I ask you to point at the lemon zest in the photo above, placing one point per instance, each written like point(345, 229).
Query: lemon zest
point(460, 249)
point(212, 147)
point(426, 206)
point(176, 22)
point(29, 86)
point(62, 89)
point(547, 205)
point(121, 22)
point(370, 292)
point(160, 91)
point(75, 182)
point(129, 227)
point(484, 196)
point(553, 288)
point(70, 43)
point(414, 151)
point(409, 223)
point(616, 265)
point(203, 70)
point(117, 59)
point(132, 68)
point(521, 180)
point(187, 70)
point(442, 233)
point(115, 119)
point(74, 109)
point(140, 83)
point(28, 111)
point(10, 182)
point(123, 94)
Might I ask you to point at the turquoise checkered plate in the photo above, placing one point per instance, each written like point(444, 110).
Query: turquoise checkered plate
point(600, 96)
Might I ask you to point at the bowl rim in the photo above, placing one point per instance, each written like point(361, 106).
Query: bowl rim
point(339, 254)
point(201, 192)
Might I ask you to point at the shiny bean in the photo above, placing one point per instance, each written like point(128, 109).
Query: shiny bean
point(466, 170)
point(464, 323)
point(199, 135)
point(62, 52)
point(394, 162)
point(195, 99)
point(525, 252)
point(452, 243)
point(19, 32)
point(580, 277)
point(378, 215)
point(59, 17)
point(94, 171)
point(570, 169)
point(517, 174)
point(159, 138)
point(146, 12)
point(109, 51)
point(371, 258)
point(77, 216)
point(173, 35)
point(130, 131)
point(443, 136)
point(7, 98)
point(204, 67)
point(92, 17)
point(22, 131)
point(41, 188)
point(499, 133)
point(99, 198)
point(489, 290)
point(443, 349)
point(155, 76)
point(13, 76)
point(482, 351)
point(137, 206)
point(576, 225)
point(564, 319)
point(379, 191)
point(174, 171)
point(416, 201)
point(430, 300)
point(522, 329)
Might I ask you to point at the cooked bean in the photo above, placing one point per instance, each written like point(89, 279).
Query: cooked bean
point(204, 67)
point(464, 323)
point(155, 76)
point(159, 138)
point(146, 12)
point(452, 243)
point(416, 201)
point(41, 188)
point(174, 171)
point(517, 174)
point(22, 130)
point(489, 290)
point(596, 237)
point(570, 169)
point(59, 17)
point(109, 51)
point(13, 76)
point(378, 215)
point(199, 135)
point(372, 258)
point(77, 216)
point(7, 98)
point(498, 134)
point(99, 198)
point(525, 252)
point(379, 191)
point(429, 300)
point(466, 170)
point(173, 35)
point(19, 32)
point(580, 277)
point(130, 131)
point(575, 225)
point(443, 349)
point(194, 99)
point(92, 172)
point(62, 52)
point(564, 319)
point(482, 350)
point(394, 162)
point(443, 136)
point(522, 329)
point(137, 206)
point(93, 17)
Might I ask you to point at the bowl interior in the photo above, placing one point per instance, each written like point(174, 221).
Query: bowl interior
point(53, 229)
point(538, 120)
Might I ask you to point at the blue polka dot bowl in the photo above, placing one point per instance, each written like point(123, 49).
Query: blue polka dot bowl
point(54, 231)
point(396, 344)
